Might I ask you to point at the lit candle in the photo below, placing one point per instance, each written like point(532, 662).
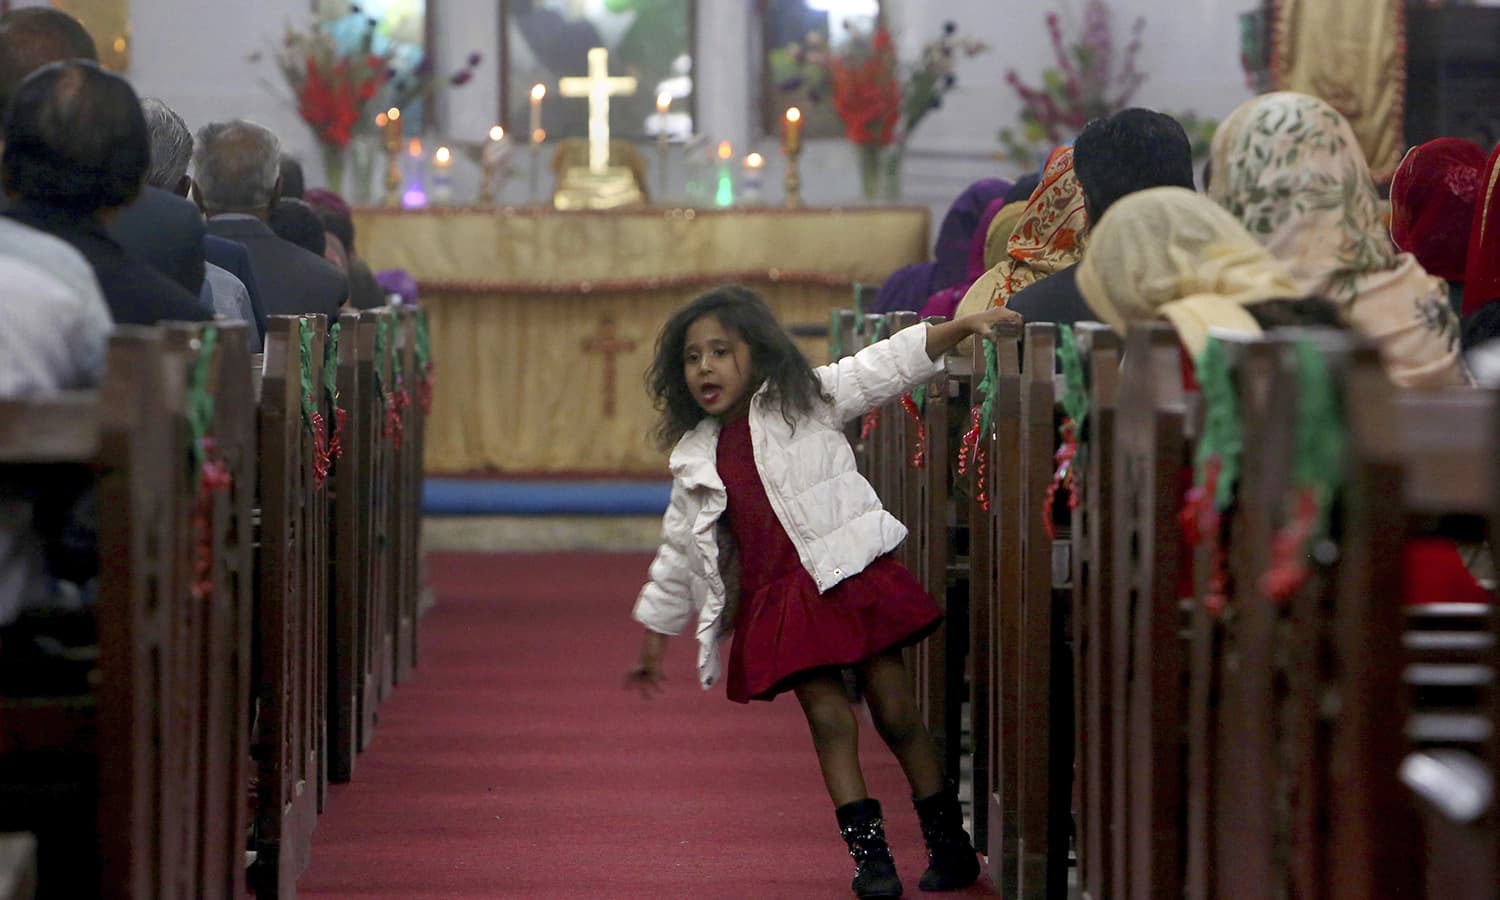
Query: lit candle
point(442, 176)
point(791, 131)
point(538, 91)
point(750, 182)
point(415, 196)
point(724, 195)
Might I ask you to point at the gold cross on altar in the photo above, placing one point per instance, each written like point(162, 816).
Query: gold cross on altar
point(608, 345)
point(598, 86)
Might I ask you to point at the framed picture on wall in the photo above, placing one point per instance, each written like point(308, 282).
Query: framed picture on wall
point(542, 41)
point(797, 38)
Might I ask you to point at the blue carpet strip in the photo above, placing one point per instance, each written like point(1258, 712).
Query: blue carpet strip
point(465, 497)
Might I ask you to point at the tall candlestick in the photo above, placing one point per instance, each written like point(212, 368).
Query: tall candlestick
point(442, 176)
point(791, 144)
point(538, 91)
point(791, 131)
point(392, 157)
point(489, 165)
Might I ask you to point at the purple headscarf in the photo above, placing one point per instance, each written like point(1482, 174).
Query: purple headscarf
point(945, 302)
point(910, 286)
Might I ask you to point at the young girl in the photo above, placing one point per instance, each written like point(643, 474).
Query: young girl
point(762, 472)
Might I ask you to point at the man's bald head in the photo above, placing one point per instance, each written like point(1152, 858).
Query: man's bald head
point(33, 37)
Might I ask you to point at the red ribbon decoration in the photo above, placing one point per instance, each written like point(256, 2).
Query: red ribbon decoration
point(909, 403)
point(214, 476)
point(424, 389)
point(335, 442)
point(971, 453)
point(322, 456)
point(1201, 522)
point(870, 423)
point(1063, 478)
point(1289, 570)
point(399, 400)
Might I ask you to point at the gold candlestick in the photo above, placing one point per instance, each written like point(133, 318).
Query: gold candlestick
point(392, 130)
point(791, 144)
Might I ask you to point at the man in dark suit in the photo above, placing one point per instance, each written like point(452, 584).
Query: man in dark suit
point(1130, 151)
point(165, 231)
point(237, 169)
point(75, 153)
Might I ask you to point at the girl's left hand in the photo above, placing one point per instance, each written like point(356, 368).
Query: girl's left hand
point(980, 323)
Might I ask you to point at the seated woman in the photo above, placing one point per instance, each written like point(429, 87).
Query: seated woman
point(1168, 253)
point(1289, 168)
point(909, 287)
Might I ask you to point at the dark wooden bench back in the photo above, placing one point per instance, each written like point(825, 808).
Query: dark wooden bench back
point(350, 554)
point(293, 603)
point(1093, 571)
point(1149, 653)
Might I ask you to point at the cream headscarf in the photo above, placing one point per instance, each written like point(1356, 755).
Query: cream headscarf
point(1170, 253)
point(1048, 237)
point(1290, 169)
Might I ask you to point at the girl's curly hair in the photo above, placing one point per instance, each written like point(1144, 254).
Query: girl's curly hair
point(774, 360)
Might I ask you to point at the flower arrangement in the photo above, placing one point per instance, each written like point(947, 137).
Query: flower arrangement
point(1085, 84)
point(341, 70)
point(879, 101)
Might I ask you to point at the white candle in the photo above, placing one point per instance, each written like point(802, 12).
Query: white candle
point(751, 181)
point(442, 176)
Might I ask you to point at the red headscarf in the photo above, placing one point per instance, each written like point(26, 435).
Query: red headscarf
point(1432, 203)
point(1482, 275)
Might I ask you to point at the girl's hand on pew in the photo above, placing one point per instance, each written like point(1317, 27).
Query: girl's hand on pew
point(647, 676)
point(946, 335)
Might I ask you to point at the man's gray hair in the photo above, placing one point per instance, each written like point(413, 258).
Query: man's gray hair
point(236, 166)
point(171, 145)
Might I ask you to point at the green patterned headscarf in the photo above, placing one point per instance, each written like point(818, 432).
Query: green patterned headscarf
point(1289, 167)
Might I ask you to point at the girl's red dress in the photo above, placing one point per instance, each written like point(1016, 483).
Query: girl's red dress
point(785, 630)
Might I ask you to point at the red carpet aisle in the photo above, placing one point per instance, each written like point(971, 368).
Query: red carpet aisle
point(515, 765)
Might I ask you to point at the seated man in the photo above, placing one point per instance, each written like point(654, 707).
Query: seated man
point(171, 151)
point(75, 153)
point(1130, 151)
point(237, 168)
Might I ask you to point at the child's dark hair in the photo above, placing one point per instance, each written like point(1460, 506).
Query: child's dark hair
point(774, 360)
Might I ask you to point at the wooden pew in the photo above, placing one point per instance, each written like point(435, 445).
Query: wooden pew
point(1093, 574)
point(387, 537)
point(1148, 657)
point(292, 688)
point(136, 782)
point(370, 453)
point(407, 484)
point(350, 555)
point(1001, 475)
point(1043, 727)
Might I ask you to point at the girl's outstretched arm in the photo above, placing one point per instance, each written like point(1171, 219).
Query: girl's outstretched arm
point(945, 336)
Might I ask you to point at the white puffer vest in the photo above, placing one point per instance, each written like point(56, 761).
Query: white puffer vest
point(828, 509)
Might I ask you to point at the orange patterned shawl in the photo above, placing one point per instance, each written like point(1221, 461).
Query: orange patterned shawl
point(1048, 238)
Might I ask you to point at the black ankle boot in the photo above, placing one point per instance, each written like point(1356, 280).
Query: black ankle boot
point(864, 831)
point(952, 863)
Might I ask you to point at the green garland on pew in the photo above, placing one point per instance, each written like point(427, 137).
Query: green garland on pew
point(316, 426)
point(331, 390)
point(836, 337)
point(1075, 399)
point(1319, 463)
point(200, 401)
point(1223, 438)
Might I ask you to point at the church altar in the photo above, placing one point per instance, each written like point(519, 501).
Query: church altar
point(543, 322)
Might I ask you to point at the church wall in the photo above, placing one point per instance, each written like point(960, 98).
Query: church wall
point(194, 54)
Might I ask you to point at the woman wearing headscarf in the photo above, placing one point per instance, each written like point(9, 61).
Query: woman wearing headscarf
point(1481, 314)
point(1003, 225)
point(1048, 237)
point(1168, 253)
point(1432, 207)
point(909, 287)
point(1289, 169)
